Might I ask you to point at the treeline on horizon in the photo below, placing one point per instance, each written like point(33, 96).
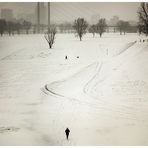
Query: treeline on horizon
point(25, 27)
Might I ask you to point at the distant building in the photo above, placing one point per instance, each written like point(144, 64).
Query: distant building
point(7, 14)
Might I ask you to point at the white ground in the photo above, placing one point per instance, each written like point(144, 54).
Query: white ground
point(102, 96)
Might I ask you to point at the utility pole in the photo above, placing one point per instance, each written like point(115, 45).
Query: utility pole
point(48, 16)
point(38, 17)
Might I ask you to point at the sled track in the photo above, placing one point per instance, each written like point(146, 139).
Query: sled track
point(89, 88)
point(112, 108)
point(122, 110)
point(121, 114)
point(75, 74)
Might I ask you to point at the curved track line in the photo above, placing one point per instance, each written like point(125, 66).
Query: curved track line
point(86, 90)
point(121, 114)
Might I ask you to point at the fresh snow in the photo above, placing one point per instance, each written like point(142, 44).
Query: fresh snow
point(102, 96)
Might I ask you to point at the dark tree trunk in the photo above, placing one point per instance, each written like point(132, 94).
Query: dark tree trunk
point(100, 35)
point(18, 32)
point(9, 33)
point(120, 32)
point(1, 33)
point(93, 34)
point(27, 31)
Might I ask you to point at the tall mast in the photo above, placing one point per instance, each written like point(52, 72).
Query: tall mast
point(38, 17)
point(48, 15)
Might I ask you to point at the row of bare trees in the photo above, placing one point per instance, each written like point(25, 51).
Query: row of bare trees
point(10, 27)
point(81, 26)
point(99, 28)
point(123, 26)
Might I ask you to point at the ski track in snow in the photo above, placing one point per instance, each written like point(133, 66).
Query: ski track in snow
point(87, 88)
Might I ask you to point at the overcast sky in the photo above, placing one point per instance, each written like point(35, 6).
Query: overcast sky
point(64, 11)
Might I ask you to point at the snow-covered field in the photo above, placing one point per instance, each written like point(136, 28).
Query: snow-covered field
point(102, 96)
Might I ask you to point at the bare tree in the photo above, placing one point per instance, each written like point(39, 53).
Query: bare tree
point(126, 27)
point(101, 26)
point(10, 27)
point(120, 26)
point(93, 29)
point(34, 29)
point(50, 36)
point(123, 26)
point(26, 26)
point(2, 26)
point(143, 18)
point(80, 26)
point(140, 28)
point(18, 27)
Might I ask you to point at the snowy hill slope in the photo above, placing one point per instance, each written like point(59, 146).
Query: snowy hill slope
point(101, 97)
point(101, 89)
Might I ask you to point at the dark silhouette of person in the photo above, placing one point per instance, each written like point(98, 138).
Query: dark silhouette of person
point(65, 57)
point(67, 131)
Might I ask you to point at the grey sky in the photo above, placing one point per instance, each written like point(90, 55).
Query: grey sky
point(64, 11)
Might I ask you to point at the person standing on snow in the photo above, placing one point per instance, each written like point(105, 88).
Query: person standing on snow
point(67, 131)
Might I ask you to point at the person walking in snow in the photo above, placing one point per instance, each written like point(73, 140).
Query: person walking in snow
point(67, 131)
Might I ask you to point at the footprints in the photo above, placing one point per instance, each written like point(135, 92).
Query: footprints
point(132, 89)
point(44, 55)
